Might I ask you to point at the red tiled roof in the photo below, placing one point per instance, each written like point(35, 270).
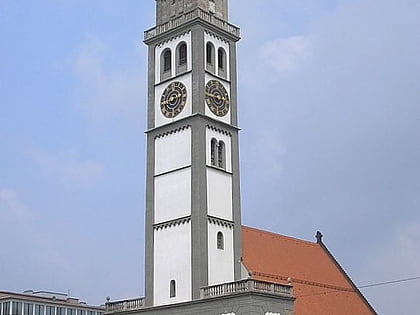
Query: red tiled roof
point(320, 286)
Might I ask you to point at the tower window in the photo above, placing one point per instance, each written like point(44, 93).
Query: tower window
point(167, 60)
point(220, 241)
point(182, 53)
point(210, 57)
point(221, 154)
point(213, 146)
point(221, 62)
point(181, 58)
point(165, 64)
point(172, 289)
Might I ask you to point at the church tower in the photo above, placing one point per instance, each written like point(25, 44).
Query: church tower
point(193, 213)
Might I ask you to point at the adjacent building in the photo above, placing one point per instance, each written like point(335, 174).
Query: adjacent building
point(44, 303)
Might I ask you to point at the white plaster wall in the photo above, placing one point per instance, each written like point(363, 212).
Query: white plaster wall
point(172, 44)
point(217, 42)
point(173, 195)
point(172, 261)
point(159, 118)
point(173, 151)
point(219, 194)
point(221, 265)
point(219, 136)
point(209, 113)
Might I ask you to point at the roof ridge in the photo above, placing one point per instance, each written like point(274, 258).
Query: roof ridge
point(280, 235)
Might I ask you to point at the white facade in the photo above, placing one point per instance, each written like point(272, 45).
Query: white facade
point(173, 151)
point(173, 195)
point(219, 194)
point(212, 133)
point(172, 45)
point(172, 261)
point(220, 261)
point(218, 43)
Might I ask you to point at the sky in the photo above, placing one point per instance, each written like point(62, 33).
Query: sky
point(329, 111)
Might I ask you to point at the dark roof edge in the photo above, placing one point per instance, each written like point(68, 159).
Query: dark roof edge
point(330, 255)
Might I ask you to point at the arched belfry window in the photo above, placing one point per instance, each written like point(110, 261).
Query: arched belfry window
point(220, 241)
point(221, 154)
point(213, 152)
point(166, 64)
point(172, 289)
point(210, 57)
point(181, 57)
point(221, 62)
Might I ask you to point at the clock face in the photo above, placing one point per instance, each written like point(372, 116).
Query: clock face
point(173, 99)
point(217, 98)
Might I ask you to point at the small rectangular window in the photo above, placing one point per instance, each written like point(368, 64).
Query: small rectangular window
point(172, 289)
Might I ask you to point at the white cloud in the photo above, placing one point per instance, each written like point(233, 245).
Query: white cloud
point(286, 55)
point(11, 206)
point(107, 93)
point(68, 167)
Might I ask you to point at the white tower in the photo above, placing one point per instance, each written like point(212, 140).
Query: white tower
point(193, 215)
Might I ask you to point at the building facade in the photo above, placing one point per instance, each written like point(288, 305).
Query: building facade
point(44, 303)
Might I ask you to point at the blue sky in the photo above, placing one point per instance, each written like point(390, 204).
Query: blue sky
point(330, 118)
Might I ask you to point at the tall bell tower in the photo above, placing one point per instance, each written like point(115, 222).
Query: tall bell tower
point(193, 213)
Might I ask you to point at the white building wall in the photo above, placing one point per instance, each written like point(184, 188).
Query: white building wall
point(219, 194)
point(173, 195)
point(172, 261)
point(219, 136)
point(217, 43)
point(173, 151)
point(221, 264)
point(172, 44)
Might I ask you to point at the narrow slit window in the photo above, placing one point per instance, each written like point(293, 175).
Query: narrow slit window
point(221, 155)
point(213, 146)
point(209, 53)
point(172, 289)
point(167, 56)
point(221, 58)
point(182, 54)
point(220, 241)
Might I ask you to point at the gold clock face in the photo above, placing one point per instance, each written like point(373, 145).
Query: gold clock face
point(173, 99)
point(217, 98)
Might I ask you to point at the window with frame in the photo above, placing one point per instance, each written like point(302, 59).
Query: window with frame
point(6, 308)
point(221, 62)
point(81, 312)
point(28, 308)
point(172, 289)
point(213, 152)
point(16, 308)
point(220, 241)
point(167, 56)
point(221, 154)
point(210, 57)
point(39, 309)
point(182, 53)
point(50, 310)
point(60, 311)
